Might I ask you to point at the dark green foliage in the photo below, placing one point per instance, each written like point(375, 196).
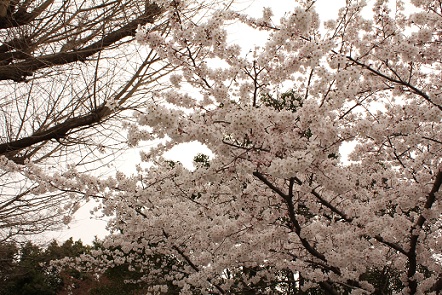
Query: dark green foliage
point(26, 276)
point(386, 280)
point(289, 101)
point(26, 270)
point(333, 156)
point(8, 255)
point(202, 160)
point(114, 283)
point(172, 164)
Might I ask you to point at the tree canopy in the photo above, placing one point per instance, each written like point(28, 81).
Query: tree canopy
point(276, 209)
point(276, 198)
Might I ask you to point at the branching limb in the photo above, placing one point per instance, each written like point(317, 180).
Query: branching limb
point(415, 230)
point(19, 71)
point(295, 224)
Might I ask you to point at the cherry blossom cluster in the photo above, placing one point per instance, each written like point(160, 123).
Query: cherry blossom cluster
point(276, 195)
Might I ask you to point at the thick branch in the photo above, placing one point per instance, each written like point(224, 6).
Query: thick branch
point(270, 185)
point(350, 220)
point(19, 71)
point(190, 263)
point(21, 17)
point(412, 257)
point(390, 244)
point(294, 221)
point(331, 207)
point(56, 132)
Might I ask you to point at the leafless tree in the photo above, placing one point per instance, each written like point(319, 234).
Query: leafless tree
point(68, 74)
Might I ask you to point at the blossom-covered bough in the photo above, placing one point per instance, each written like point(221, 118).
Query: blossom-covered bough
point(276, 209)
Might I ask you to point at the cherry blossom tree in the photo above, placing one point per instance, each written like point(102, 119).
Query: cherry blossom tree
point(276, 208)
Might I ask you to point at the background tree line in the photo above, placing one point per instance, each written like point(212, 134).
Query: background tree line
point(26, 270)
point(30, 269)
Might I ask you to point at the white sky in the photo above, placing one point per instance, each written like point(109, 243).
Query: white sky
point(84, 226)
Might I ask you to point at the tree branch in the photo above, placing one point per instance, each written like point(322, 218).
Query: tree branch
point(397, 81)
point(294, 221)
point(412, 257)
point(55, 132)
point(190, 263)
point(21, 17)
point(19, 71)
